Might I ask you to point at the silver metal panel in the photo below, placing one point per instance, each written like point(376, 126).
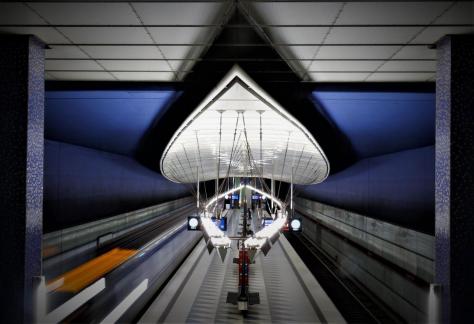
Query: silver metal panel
point(371, 35)
point(343, 66)
point(356, 52)
point(432, 34)
point(339, 77)
point(18, 13)
point(396, 13)
point(459, 13)
point(180, 35)
point(78, 13)
point(65, 52)
point(78, 65)
point(142, 65)
point(148, 76)
point(178, 13)
point(179, 52)
point(46, 34)
point(296, 12)
point(416, 52)
point(298, 35)
point(408, 66)
point(402, 77)
point(107, 35)
point(123, 52)
point(81, 76)
point(298, 52)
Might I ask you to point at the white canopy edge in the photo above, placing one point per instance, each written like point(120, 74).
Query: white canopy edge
point(237, 72)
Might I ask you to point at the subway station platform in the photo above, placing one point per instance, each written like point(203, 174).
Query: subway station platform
point(198, 291)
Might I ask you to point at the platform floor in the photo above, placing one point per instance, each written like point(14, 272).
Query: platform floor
point(288, 291)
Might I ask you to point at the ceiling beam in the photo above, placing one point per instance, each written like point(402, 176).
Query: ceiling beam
point(238, 59)
point(235, 25)
point(239, 44)
point(251, 71)
point(222, 1)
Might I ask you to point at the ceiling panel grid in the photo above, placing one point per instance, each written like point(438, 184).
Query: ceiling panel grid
point(118, 32)
point(367, 41)
point(373, 37)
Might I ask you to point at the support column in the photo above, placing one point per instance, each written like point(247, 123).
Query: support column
point(454, 179)
point(21, 177)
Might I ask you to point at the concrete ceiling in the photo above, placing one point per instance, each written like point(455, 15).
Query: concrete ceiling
point(161, 41)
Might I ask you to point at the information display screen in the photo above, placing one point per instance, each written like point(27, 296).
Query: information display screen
point(267, 221)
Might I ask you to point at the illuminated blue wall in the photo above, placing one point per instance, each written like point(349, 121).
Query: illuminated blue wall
point(90, 166)
point(84, 184)
point(396, 187)
point(93, 139)
point(377, 123)
point(392, 135)
point(112, 121)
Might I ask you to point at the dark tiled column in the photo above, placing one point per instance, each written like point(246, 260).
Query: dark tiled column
point(455, 177)
point(21, 177)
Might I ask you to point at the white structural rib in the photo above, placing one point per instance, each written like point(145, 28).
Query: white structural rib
point(258, 139)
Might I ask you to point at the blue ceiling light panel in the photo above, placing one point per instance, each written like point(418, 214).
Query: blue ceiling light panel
point(112, 121)
point(377, 123)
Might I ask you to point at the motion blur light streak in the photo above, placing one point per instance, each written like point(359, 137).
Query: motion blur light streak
point(85, 274)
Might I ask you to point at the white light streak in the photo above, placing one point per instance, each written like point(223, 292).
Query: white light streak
point(212, 200)
point(267, 232)
point(218, 237)
point(125, 304)
point(275, 200)
point(74, 303)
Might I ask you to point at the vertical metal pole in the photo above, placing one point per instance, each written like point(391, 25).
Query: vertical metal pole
point(197, 201)
point(291, 193)
point(218, 158)
point(217, 193)
point(272, 190)
point(261, 143)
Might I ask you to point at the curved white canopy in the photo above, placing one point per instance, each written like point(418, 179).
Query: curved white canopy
point(240, 131)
